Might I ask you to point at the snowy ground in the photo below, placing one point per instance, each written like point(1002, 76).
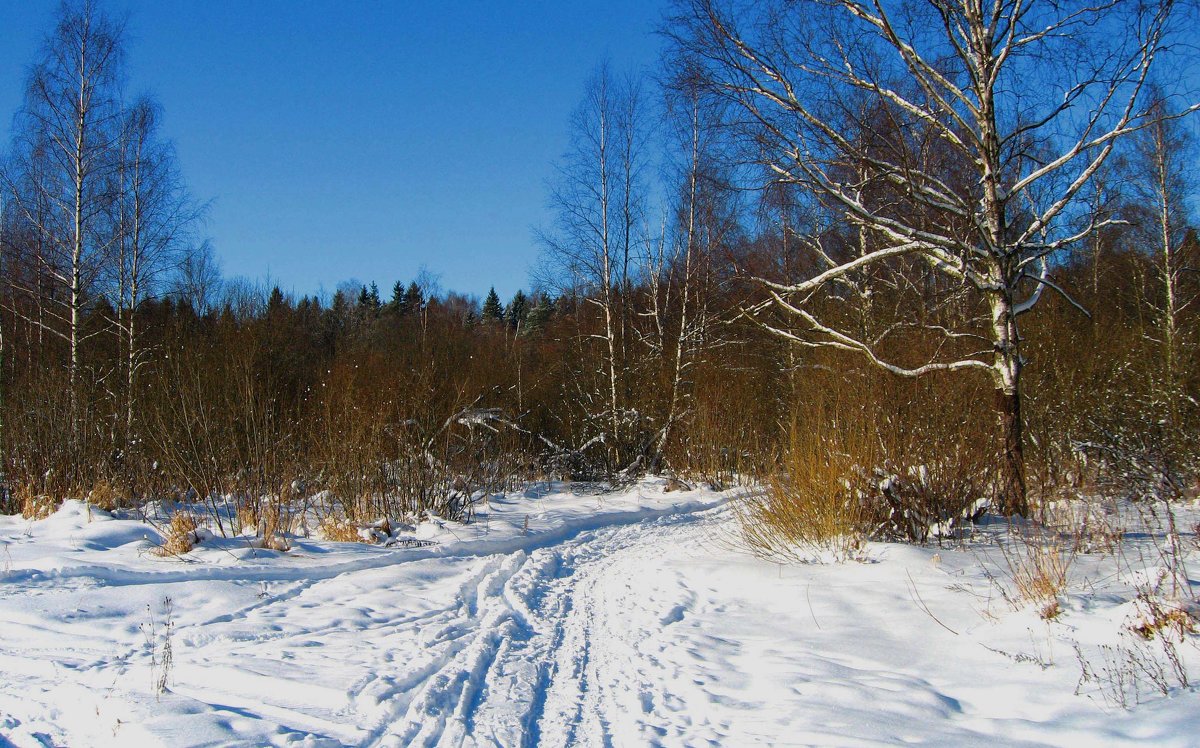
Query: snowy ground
point(556, 619)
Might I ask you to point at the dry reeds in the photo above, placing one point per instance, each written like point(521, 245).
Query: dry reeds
point(813, 507)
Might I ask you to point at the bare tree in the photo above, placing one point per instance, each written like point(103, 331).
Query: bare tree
point(957, 134)
point(598, 205)
point(68, 131)
point(1158, 181)
point(197, 280)
point(678, 266)
point(153, 218)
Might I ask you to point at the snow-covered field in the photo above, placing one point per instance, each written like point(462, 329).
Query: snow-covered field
point(563, 617)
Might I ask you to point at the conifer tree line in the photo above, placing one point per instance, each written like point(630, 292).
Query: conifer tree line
point(878, 231)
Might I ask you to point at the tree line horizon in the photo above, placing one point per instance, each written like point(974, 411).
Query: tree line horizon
point(820, 228)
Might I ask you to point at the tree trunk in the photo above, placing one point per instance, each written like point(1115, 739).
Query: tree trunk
point(1011, 496)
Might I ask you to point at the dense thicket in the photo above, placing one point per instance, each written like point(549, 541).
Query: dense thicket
point(131, 371)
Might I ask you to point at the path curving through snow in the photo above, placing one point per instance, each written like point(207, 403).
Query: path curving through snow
point(561, 646)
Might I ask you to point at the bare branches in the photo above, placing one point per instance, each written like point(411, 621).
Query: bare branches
point(941, 133)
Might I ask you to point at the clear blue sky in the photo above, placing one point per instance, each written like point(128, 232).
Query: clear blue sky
point(353, 139)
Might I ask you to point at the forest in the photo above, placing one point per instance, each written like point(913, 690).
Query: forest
point(888, 275)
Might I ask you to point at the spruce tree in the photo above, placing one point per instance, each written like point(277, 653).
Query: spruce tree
point(414, 300)
point(517, 311)
point(396, 305)
point(492, 311)
point(276, 302)
point(538, 316)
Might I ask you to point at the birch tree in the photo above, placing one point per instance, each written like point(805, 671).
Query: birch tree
point(998, 114)
point(1161, 158)
point(153, 217)
point(678, 266)
point(598, 204)
point(197, 278)
point(68, 132)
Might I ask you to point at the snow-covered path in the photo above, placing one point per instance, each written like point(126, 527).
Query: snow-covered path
point(546, 648)
point(606, 626)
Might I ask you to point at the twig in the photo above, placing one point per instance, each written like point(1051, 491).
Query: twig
point(916, 596)
point(811, 612)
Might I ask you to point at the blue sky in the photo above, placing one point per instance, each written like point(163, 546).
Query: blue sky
point(362, 140)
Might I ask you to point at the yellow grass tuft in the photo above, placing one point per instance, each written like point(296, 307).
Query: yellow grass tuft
point(36, 506)
point(104, 495)
point(181, 535)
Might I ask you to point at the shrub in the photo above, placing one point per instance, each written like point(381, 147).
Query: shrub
point(812, 505)
point(181, 536)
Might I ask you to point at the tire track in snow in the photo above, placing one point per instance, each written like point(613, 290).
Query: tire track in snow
point(546, 660)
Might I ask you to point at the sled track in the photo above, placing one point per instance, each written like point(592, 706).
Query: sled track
point(553, 640)
point(540, 651)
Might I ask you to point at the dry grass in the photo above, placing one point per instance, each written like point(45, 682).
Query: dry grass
point(36, 506)
point(1039, 565)
point(1091, 525)
point(274, 524)
point(341, 530)
point(270, 519)
point(181, 535)
point(275, 542)
point(104, 495)
point(812, 507)
point(1162, 619)
point(246, 515)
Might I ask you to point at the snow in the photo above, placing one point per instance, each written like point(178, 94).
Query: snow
point(561, 616)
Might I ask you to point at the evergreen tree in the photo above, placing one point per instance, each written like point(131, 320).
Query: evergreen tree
point(396, 305)
point(368, 302)
point(517, 311)
point(492, 311)
point(276, 303)
point(414, 300)
point(538, 316)
point(335, 318)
